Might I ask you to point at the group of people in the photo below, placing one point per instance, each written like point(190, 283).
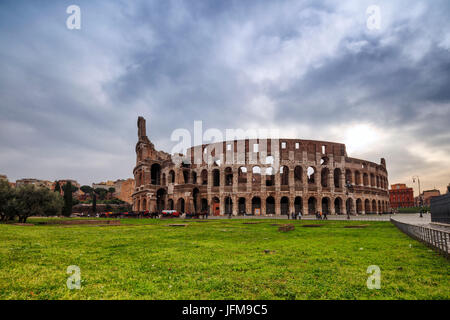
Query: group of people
point(295, 216)
point(321, 215)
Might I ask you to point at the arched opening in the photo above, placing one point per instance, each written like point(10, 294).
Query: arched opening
point(242, 208)
point(144, 205)
point(256, 205)
point(372, 180)
point(298, 175)
point(337, 178)
point(228, 205)
point(350, 206)
point(365, 179)
point(216, 177)
point(204, 205)
point(160, 203)
point(194, 177)
point(338, 205)
point(284, 176)
point(284, 205)
point(374, 206)
point(367, 206)
point(171, 176)
point(256, 175)
point(195, 198)
point(186, 176)
point(311, 173)
point(170, 204)
point(359, 206)
point(270, 177)
point(242, 175)
point(326, 205)
point(164, 179)
point(312, 205)
point(215, 206)
point(155, 173)
point(298, 204)
point(181, 205)
point(204, 177)
point(138, 205)
point(228, 176)
point(348, 177)
point(270, 205)
point(357, 178)
point(324, 177)
point(380, 209)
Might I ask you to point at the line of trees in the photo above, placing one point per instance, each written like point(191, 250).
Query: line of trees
point(27, 201)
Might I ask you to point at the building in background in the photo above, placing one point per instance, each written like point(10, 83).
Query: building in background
point(401, 196)
point(36, 182)
point(103, 185)
point(3, 177)
point(425, 197)
point(124, 190)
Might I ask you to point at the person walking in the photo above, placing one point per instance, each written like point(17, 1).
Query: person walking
point(325, 216)
point(299, 215)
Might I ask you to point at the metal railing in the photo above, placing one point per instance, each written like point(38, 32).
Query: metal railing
point(436, 239)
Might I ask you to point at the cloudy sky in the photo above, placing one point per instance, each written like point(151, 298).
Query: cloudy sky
point(69, 99)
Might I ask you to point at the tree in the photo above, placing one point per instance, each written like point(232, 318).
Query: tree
point(6, 195)
point(87, 189)
point(101, 193)
point(68, 199)
point(94, 203)
point(57, 187)
point(32, 201)
point(111, 190)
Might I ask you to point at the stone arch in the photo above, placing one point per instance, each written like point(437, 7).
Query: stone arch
point(367, 206)
point(284, 176)
point(312, 205)
point(338, 205)
point(350, 206)
point(337, 178)
point(216, 177)
point(181, 205)
point(298, 204)
point(365, 179)
point(228, 176)
point(186, 174)
point(326, 205)
point(270, 176)
point(348, 177)
point(171, 176)
point(144, 204)
point(215, 206)
point(270, 205)
point(170, 205)
point(284, 205)
point(155, 174)
point(242, 175)
point(324, 177)
point(359, 206)
point(204, 177)
point(311, 173)
point(256, 204)
point(242, 206)
point(256, 175)
point(204, 205)
point(298, 175)
point(357, 178)
point(228, 205)
point(194, 177)
point(160, 200)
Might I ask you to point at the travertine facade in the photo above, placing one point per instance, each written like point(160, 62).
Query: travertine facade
point(260, 177)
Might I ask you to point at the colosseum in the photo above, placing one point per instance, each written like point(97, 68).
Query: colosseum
point(263, 177)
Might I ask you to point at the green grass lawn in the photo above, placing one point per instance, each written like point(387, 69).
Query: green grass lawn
point(218, 259)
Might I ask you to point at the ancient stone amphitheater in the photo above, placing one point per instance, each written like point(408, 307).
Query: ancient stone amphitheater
point(259, 177)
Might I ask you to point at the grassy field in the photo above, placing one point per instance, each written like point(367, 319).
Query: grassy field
point(218, 259)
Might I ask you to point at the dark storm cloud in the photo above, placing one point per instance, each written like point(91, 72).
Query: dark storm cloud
point(70, 99)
